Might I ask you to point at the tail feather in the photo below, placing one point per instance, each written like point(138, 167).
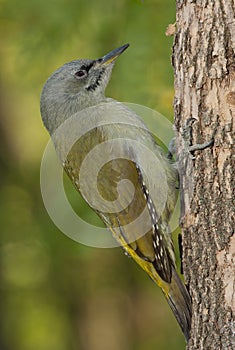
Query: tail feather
point(180, 303)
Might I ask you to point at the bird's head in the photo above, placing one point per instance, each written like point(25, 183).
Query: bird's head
point(74, 86)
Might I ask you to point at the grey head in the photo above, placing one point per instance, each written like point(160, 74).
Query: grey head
point(74, 86)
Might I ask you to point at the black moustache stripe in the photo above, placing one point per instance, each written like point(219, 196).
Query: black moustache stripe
point(97, 83)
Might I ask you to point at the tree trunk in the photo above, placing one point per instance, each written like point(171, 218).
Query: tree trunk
point(203, 60)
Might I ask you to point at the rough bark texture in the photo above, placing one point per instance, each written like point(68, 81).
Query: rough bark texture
point(204, 65)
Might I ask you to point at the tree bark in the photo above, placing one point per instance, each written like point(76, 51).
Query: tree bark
point(204, 66)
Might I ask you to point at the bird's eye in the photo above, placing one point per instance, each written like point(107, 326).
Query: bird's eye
point(80, 74)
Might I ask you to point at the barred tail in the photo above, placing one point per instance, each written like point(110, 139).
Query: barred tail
point(180, 303)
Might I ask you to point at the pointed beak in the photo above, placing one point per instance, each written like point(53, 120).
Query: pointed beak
point(111, 56)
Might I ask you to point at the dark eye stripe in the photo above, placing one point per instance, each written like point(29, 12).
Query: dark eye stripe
point(88, 67)
point(82, 73)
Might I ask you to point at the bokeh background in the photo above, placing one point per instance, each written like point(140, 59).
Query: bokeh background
point(57, 294)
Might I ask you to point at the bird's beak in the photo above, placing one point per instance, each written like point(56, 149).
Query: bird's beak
point(111, 56)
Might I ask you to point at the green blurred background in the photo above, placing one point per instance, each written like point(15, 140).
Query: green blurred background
point(57, 294)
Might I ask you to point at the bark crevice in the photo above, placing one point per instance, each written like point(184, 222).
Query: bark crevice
point(203, 60)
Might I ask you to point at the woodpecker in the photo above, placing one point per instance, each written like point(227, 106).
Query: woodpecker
point(134, 190)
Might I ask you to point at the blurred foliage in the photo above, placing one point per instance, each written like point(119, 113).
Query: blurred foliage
point(55, 293)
